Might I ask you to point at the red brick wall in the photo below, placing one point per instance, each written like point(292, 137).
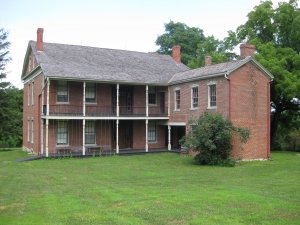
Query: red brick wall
point(75, 93)
point(186, 112)
point(31, 112)
point(249, 108)
point(139, 134)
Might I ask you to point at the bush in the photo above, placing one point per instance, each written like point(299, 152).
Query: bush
point(211, 137)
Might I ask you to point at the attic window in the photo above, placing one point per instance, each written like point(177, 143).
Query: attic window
point(62, 91)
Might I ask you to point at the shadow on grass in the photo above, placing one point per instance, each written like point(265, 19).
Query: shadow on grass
point(8, 149)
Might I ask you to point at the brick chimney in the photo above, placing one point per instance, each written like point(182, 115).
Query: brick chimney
point(247, 50)
point(207, 60)
point(176, 53)
point(39, 39)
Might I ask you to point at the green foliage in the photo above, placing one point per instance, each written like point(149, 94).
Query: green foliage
point(276, 34)
point(211, 137)
point(11, 112)
point(11, 101)
point(218, 50)
point(179, 33)
point(4, 59)
point(194, 45)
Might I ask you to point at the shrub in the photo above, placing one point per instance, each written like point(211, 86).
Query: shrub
point(211, 138)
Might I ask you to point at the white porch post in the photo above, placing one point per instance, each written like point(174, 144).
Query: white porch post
point(169, 101)
point(47, 136)
point(118, 110)
point(147, 99)
point(48, 91)
point(83, 137)
point(117, 136)
point(146, 146)
point(83, 100)
point(169, 137)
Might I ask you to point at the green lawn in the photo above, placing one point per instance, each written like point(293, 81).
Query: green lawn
point(163, 188)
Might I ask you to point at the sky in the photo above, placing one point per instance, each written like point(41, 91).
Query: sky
point(129, 24)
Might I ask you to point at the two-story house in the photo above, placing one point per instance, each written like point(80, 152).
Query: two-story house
point(78, 99)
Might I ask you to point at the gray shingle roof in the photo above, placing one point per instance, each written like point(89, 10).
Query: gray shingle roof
point(109, 65)
point(99, 64)
point(209, 71)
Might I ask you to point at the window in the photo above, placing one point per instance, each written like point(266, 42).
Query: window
point(28, 130)
point(32, 94)
point(194, 97)
point(90, 133)
point(90, 93)
point(28, 95)
point(177, 100)
point(32, 131)
point(62, 91)
point(152, 131)
point(62, 133)
point(152, 95)
point(212, 96)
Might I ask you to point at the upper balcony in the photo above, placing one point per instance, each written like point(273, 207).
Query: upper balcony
point(79, 99)
point(103, 111)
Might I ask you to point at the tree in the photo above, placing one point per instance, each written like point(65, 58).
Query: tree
point(11, 113)
point(276, 34)
point(220, 51)
point(194, 45)
point(180, 34)
point(11, 101)
point(4, 59)
point(211, 138)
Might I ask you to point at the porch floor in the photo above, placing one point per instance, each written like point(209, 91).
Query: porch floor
point(122, 152)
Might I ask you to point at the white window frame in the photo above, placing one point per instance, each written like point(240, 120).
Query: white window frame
point(192, 97)
point(28, 95)
point(28, 130)
point(32, 131)
point(88, 87)
point(67, 133)
point(209, 90)
point(90, 129)
point(59, 84)
point(152, 91)
point(176, 108)
point(32, 93)
point(152, 131)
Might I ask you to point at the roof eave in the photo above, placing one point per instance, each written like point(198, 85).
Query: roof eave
point(109, 81)
point(197, 78)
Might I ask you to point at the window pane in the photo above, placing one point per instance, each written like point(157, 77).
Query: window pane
point(90, 92)
point(213, 96)
point(152, 131)
point(152, 95)
point(194, 97)
point(62, 133)
point(90, 132)
point(62, 91)
point(177, 99)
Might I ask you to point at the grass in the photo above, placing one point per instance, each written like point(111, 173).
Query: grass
point(148, 189)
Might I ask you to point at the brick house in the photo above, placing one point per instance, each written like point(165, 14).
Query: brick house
point(82, 100)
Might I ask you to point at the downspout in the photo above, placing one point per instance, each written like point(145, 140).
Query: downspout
point(229, 95)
